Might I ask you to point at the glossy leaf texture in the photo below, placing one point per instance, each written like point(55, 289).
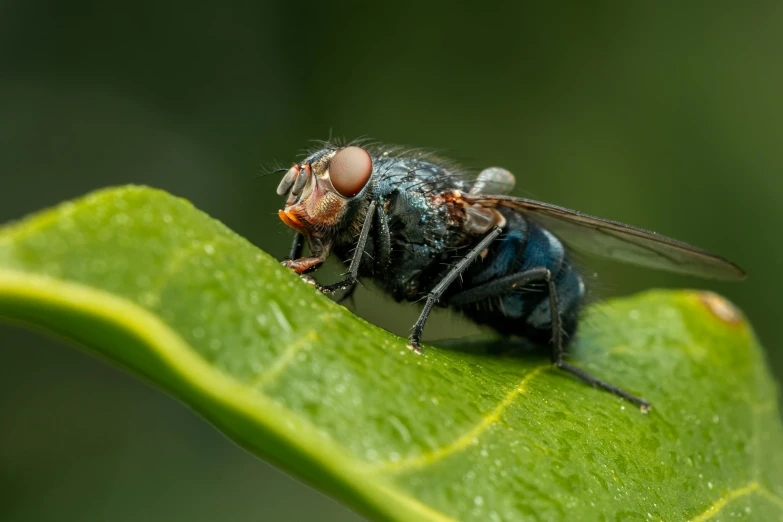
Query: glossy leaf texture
point(151, 283)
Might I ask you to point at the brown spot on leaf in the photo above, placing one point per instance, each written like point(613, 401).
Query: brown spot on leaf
point(721, 308)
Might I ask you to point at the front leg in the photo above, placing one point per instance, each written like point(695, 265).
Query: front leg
point(301, 265)
point(414, 341)
point(296, 247)
point(348, 295)
point(304, 264)
point(381, 250)
point(353, 271)
point(307, 264)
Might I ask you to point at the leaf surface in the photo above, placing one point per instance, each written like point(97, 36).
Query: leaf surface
point(151, 283)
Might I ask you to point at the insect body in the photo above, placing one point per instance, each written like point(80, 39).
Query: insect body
point(420, 229)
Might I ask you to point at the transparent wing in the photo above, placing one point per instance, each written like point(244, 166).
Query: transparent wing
point(610, 239)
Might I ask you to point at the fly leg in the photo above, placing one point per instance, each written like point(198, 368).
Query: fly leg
point(296, 247)
point(353, 271)
point(301, 265)
point(348, 294)
point(499, 286)
point(382, 249)
point(296, 253)
point(508, 283)
point(414, 341)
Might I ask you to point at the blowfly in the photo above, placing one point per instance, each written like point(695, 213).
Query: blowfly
point(421, 230)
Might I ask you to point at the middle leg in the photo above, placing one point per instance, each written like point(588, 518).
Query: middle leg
point(414, 341)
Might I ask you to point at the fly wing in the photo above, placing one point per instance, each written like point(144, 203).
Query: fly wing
point(611, 239)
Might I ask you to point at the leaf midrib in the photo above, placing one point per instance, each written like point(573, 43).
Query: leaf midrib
point(381, 499)
point(348, 476)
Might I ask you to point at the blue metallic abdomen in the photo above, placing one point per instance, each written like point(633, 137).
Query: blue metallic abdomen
point(525, 311)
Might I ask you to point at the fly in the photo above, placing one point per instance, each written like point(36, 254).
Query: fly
point(420, 229)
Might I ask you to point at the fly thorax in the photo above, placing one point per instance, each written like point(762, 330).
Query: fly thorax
point(474, 219)
point(479, 220)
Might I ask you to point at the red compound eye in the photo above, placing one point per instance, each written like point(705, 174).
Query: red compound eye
point(350, 170)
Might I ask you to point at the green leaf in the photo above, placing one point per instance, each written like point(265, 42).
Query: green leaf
point(149, 282)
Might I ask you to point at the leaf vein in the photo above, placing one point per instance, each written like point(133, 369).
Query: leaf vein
point(719, 504)
point(748, 489)
point(175, 263)
point(285, 358)
point(468, 437)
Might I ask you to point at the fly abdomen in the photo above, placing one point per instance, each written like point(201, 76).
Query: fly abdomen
point(524, 309)
point(570, 292)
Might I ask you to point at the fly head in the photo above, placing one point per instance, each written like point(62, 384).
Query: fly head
point(323, 191)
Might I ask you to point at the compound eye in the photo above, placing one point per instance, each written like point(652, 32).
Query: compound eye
point(350, 170)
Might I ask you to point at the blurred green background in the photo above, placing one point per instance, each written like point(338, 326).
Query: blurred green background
point(667, 116)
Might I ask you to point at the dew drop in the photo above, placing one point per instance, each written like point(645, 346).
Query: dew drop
point(149, 299)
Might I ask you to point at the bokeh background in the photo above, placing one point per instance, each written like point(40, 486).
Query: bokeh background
point(665, 115)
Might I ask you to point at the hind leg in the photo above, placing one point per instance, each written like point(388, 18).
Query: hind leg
point(507, 284)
